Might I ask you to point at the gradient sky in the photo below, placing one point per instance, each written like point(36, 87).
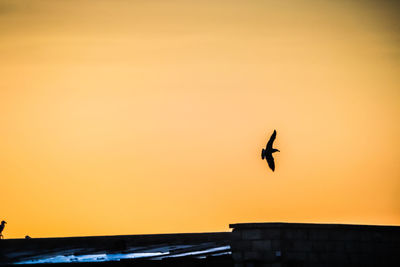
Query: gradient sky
point(135, 117)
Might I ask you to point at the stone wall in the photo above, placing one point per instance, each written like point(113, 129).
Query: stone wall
point(293, 244)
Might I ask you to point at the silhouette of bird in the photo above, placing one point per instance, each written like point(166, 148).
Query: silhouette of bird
point(1, 228)
point(267, 152)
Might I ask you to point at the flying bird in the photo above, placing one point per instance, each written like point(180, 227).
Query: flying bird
point(267, 152)
point(1, 228)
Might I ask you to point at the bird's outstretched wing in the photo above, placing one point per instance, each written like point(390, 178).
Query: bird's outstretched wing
point(271, 140)
point(271, 162)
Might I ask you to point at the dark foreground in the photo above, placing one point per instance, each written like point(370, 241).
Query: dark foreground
point(213, 261)
point(248, 245)
point(143, 250)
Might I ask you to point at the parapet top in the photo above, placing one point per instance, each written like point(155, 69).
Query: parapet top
point(307, 225)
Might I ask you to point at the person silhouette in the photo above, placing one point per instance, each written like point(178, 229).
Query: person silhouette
point(3, 223)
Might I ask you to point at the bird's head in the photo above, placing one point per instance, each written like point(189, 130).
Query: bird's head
point(3, 222)
point(275, 150)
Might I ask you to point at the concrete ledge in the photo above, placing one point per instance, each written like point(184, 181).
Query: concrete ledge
point(311, 225)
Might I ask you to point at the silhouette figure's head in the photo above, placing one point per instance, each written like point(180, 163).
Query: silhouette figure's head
point(3, 222)
point(275, 150)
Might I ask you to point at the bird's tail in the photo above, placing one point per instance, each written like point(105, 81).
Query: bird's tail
point(263, 154)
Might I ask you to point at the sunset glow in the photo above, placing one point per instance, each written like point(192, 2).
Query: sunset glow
point(139, 117)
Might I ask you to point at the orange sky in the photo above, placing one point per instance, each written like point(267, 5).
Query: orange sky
point(133, 117)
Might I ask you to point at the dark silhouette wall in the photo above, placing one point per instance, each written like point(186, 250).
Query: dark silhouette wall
point(292, 244)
